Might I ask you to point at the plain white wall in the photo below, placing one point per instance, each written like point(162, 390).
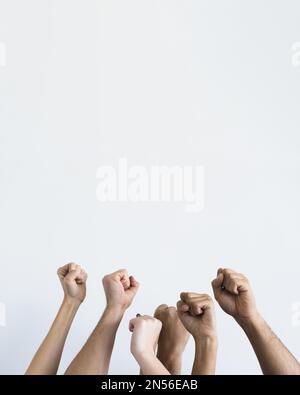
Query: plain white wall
point(174, 82)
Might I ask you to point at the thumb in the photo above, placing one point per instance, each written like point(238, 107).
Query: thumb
point(132, 324)
point(182, 309)
point(134, 286)
point(72, 276)
point(217, 284)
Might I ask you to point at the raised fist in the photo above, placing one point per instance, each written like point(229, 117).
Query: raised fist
point(173, 336)
point(233, 293)
point(73, 280)
point(196, 312)
point(145, 333)
point(120, 289)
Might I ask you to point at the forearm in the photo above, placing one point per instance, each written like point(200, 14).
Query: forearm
point(171, 362)
point(205, 356)
point(47, 358)
point(273, 356)
point(94, 357)
point(151, 365)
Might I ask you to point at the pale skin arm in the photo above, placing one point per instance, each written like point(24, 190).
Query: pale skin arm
point(196, 312)
point(233, 292)
point(145, 332)
point(151, 365)
point(48, 356)
point(94, 357)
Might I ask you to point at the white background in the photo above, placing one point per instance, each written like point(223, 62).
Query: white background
point(160, 82)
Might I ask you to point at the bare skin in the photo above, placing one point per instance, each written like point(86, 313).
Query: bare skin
point(233, 292)
point(172, 340)
point(145, 333)
point(47, 358)
point(94, 357)
point(196, 312)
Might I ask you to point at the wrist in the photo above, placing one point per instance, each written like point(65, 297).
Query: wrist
point(71, 303)
point(206, 341)
point(247, 322)
point(171, 357)
point(172, 361)
point(144, 355)
point(115, 311)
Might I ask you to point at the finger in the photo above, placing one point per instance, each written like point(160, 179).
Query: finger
point(125, 281)
point(120, 274)
point(202, 297)
point(161, 308)
point(231, 281)
point(198, 305)
point(182, 307)
point(229, 271)
point(218, 281)
point(217, 285)
point(147, 317)
point(243, 285)
point(132, 324)
point(133, 282)
point(230, 285)
point(72, 276)
point(72, 266)
point(187, 296)
point(63, 270)
point(117, 275)
point(201, 304)
point(195, 308)
point(82, 277)
point(133, 286)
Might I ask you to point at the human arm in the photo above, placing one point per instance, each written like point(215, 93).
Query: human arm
point(172, 339)
point(95, 355)
point(47, 358)
point(145, 332)
point(196, 312)
point(234, 294)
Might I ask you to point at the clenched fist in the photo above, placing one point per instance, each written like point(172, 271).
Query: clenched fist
point(196, 312)
point(145, 333)
point(120, 289)
point(173, 337)
point(73, 280)
point(233, 293)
